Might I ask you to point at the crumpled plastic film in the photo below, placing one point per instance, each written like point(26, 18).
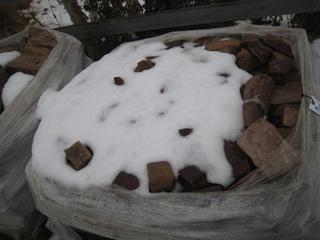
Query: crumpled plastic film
point(18, 124)
point(275, 204)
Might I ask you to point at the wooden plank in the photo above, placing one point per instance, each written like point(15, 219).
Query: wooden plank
point(193, 16)
point(10, 2)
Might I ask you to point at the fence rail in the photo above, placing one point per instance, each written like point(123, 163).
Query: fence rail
point(192, 16)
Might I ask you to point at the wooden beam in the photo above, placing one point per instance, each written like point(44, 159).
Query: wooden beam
point(10, 2)
point(240, 9)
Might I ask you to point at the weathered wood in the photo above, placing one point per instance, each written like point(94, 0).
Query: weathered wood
point(11, 2)
point(193, 16)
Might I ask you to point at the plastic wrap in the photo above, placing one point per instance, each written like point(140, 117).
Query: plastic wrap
point(18, 124)
point(276, 204)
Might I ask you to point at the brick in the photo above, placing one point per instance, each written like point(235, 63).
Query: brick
point(290, 116)
point(192, 178)
point(126, 180)
point(278, 44)
point(41, 37)
point(293, 76)
point(246, 60)
point(185, 131)
point(29, 64)
point(279, 70)
point(30, 49)
point(144, 65)
point(232, 46)
point(118, 81)
point(239, 161)
point(161, 177)
point(280, 56)
point(284, 132)
point(261, 87)
point(260, 142)
point(252, 111)
point(78, 155)
point(172, 44)
point(291, 92)
point(212, 188)
point(259, 50)
point(8, 49)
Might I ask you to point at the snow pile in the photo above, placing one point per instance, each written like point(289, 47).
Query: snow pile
point(7, 57)
point(15, 84)
point(136, 123)
point(51, 13)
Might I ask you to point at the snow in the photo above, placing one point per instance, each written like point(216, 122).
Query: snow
point(15, 84)
point(46, 10)
point(131, 125)
point(7, 57)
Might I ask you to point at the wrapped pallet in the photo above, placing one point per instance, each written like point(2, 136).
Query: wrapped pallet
point(278, 199)
point(47, 60)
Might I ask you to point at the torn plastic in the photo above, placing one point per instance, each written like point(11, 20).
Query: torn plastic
point(280, 202)
point(18, 124)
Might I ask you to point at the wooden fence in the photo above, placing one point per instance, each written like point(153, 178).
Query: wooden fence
point(240, 9)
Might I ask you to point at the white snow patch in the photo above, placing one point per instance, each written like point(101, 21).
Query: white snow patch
point(45, 102)
point(7, 57)
point(15, 84)
point(131, 125)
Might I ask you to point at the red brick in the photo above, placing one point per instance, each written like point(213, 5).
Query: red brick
point(29, 64)
point(127, 181)
point(290, 116)
point(232, 46)
point(278, 44)
point(252, 111)
point(279, 70)
point(291, 92)
point(284, 132)
point(246, 60)
point(185, 131)
point(239, 161)
point(176, 43)
point(118, 81)
point(36, 50)
point(259, 50)
point(260, 142)
point(41, 37)
point(260, 86)
point(192, 178)
point(78, 155)
point(161, 177)
point(144, 65)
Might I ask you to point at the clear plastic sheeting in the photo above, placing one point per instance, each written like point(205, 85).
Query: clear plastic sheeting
point(276, 204)
point(18, 124)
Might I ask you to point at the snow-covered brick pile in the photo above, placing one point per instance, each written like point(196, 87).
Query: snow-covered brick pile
point(22, 61)
point(133, 107)
point(163, 116)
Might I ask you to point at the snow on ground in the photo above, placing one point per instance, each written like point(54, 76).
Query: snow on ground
point(7, 57)
point(46, 10)
point(15, 84)
point(131, 125)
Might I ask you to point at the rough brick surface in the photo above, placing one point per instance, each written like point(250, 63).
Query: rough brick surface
point(161, 177)
point(252, 111)
point(246, 60)
point(127, 181)
point(291, 92)
point(232, 46)
point(30, 49)
point(284, 132)
point(41, 37)
point(78, 155)
point(172, 44)
point(259, 50)
point(260, 86)
point(239, 161)
point(278, 44)
point(144, 65)
point(29, 64)
point(192, 178)
point(279, 69)
point(290, 116)
point(260, 142)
